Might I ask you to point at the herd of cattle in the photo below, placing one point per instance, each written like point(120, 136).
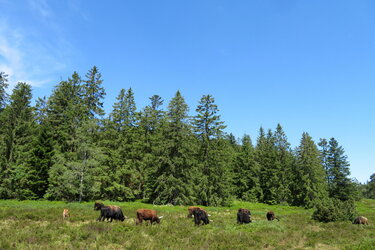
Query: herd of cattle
point(200, 215)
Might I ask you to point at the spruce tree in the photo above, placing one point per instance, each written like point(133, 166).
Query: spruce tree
point(339, 185)
point(172, 179)
point(93, 93)
point(246, 173)
point(283, 164)
point(309, 186)
point(18, 131)
point(121, 148)
point(215, 179)
point(266, 156)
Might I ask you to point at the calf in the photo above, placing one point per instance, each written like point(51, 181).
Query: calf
point(66, 214)
point(271, 216)
point(200, 215)
point(147, 214)
point(109, 212)
point(243, 216)
point(361, 220)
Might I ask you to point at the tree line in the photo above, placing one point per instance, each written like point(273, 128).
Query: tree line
point(65, 148)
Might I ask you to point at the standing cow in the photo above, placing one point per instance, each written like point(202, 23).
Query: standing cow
point(191, 210)
point(243, 216)
point(200, 215)
point(271, 216)
point(109, 212)
point(147, 214)
point(361, 220)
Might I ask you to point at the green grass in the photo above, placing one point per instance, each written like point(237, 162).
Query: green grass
point(39, 225)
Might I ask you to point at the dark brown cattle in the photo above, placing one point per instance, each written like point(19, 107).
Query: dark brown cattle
point(243, 216)
point(147, 214)
point(271, 216)
point(191, 210)
point(361, 220)
point(200, 215)
point(109, 212)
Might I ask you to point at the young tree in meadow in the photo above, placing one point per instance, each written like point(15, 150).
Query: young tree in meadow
point(309, 186)
point(214, 168)
point(18, 129)
point(339, 184)
point(246, 173)
point(172, 180)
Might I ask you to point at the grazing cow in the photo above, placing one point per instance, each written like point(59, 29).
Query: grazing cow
point(243, 216)
point(361, 220)
point(147, 214)
point(200, 215)
point(191, 210)
point(109, 212)
point(271, 216)
point(66, 214)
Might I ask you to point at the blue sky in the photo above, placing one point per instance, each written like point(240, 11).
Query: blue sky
point(308, 65)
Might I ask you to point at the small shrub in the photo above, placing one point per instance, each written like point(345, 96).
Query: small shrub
point(334, 210)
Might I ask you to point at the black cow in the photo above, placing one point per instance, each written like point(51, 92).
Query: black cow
point(109, 212)
point(271, 216)
point(243, 216)
point(200, 215)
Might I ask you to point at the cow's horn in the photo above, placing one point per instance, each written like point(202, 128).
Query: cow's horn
point(161, 217)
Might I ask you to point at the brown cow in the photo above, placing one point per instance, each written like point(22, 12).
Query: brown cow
point(66, 214)
point(109, 212)
point(191, 210)
point(361, 220)
point(147, 214)
point(271, 216)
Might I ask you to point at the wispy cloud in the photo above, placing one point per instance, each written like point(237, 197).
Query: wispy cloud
point(41, 7)
point(33, 53)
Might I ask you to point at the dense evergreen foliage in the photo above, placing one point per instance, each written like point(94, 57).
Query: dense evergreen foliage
point(66, 148)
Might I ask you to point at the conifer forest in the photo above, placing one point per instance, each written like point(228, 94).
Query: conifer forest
point(66, 148)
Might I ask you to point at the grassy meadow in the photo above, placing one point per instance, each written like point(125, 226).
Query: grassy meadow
point(39, 225)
